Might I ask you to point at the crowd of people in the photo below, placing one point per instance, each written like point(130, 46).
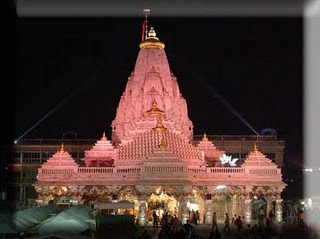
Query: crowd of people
point(264, 227)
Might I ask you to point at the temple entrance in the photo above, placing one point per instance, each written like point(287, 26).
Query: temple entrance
point(259, 207)
point(222, 205)
point(162, 203)
point(195, 206)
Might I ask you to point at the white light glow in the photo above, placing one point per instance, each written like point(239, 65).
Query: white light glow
point(221, 186)
point(193, 206)
point(15, 142)
point(225, 159)
point(309, 201)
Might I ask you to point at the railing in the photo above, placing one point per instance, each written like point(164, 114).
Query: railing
point(172, 169)
point(57, 171)
point(95, 169)
point(263, 171)
point(238, 137)
point(225, 170)
point(152, 169)
point(196, 170)
point(128, 170)
point(57, 142)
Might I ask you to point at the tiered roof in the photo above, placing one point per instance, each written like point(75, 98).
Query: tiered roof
point(102, 150)
point(148, 143)
point(209, 149)
point(258, 159)
point(60, 160)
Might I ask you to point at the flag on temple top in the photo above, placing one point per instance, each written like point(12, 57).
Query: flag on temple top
point(143, 28)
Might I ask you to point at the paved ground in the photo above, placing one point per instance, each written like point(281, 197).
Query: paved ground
point(288, 232)
point(204, 231)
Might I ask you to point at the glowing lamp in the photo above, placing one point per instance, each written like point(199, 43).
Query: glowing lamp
point(221, 186)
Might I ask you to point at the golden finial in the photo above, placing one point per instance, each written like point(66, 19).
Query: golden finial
point(152, 34)
point(159, 126)
point(62, 148)
point(152, 41)
point(104, 136)
point(155, 111)
point(204, 136)
point(255, 148)
point(163, 143)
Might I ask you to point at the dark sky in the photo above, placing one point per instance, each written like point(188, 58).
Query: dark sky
point(254, 63)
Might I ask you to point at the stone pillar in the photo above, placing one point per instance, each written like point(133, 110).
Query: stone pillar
point(143, 213)
point(269, 205)
point(247, 213)
point(184, 210)
point(234, 210)
point(208, 211)
point(24, 195)
point(278, 210)
point(21, 194)
point(241, 209)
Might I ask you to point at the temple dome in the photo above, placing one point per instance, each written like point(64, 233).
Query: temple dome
point(151, 80)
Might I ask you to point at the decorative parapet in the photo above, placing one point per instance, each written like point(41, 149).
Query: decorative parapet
point(163, 165)
point(156, 171)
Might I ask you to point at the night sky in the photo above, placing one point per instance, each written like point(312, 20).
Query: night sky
point(253, 63)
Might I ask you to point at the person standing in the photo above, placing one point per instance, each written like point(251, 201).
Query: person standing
point(271, 215)
point(197, 217)
point(214, 221)
point(239, 223)
point(300, 219)
point(227, 223)
point(234, 219)
point(155, 219)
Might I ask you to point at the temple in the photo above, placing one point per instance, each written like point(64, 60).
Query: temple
point(151, 163)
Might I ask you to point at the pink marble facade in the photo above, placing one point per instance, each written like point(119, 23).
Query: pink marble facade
point(151, 136)
point(151, 80)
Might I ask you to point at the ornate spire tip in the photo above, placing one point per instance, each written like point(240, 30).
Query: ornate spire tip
point(255, 148)
point(104, 136)
point(62, 148)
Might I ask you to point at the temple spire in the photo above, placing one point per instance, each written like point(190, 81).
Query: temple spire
point(104, 137)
